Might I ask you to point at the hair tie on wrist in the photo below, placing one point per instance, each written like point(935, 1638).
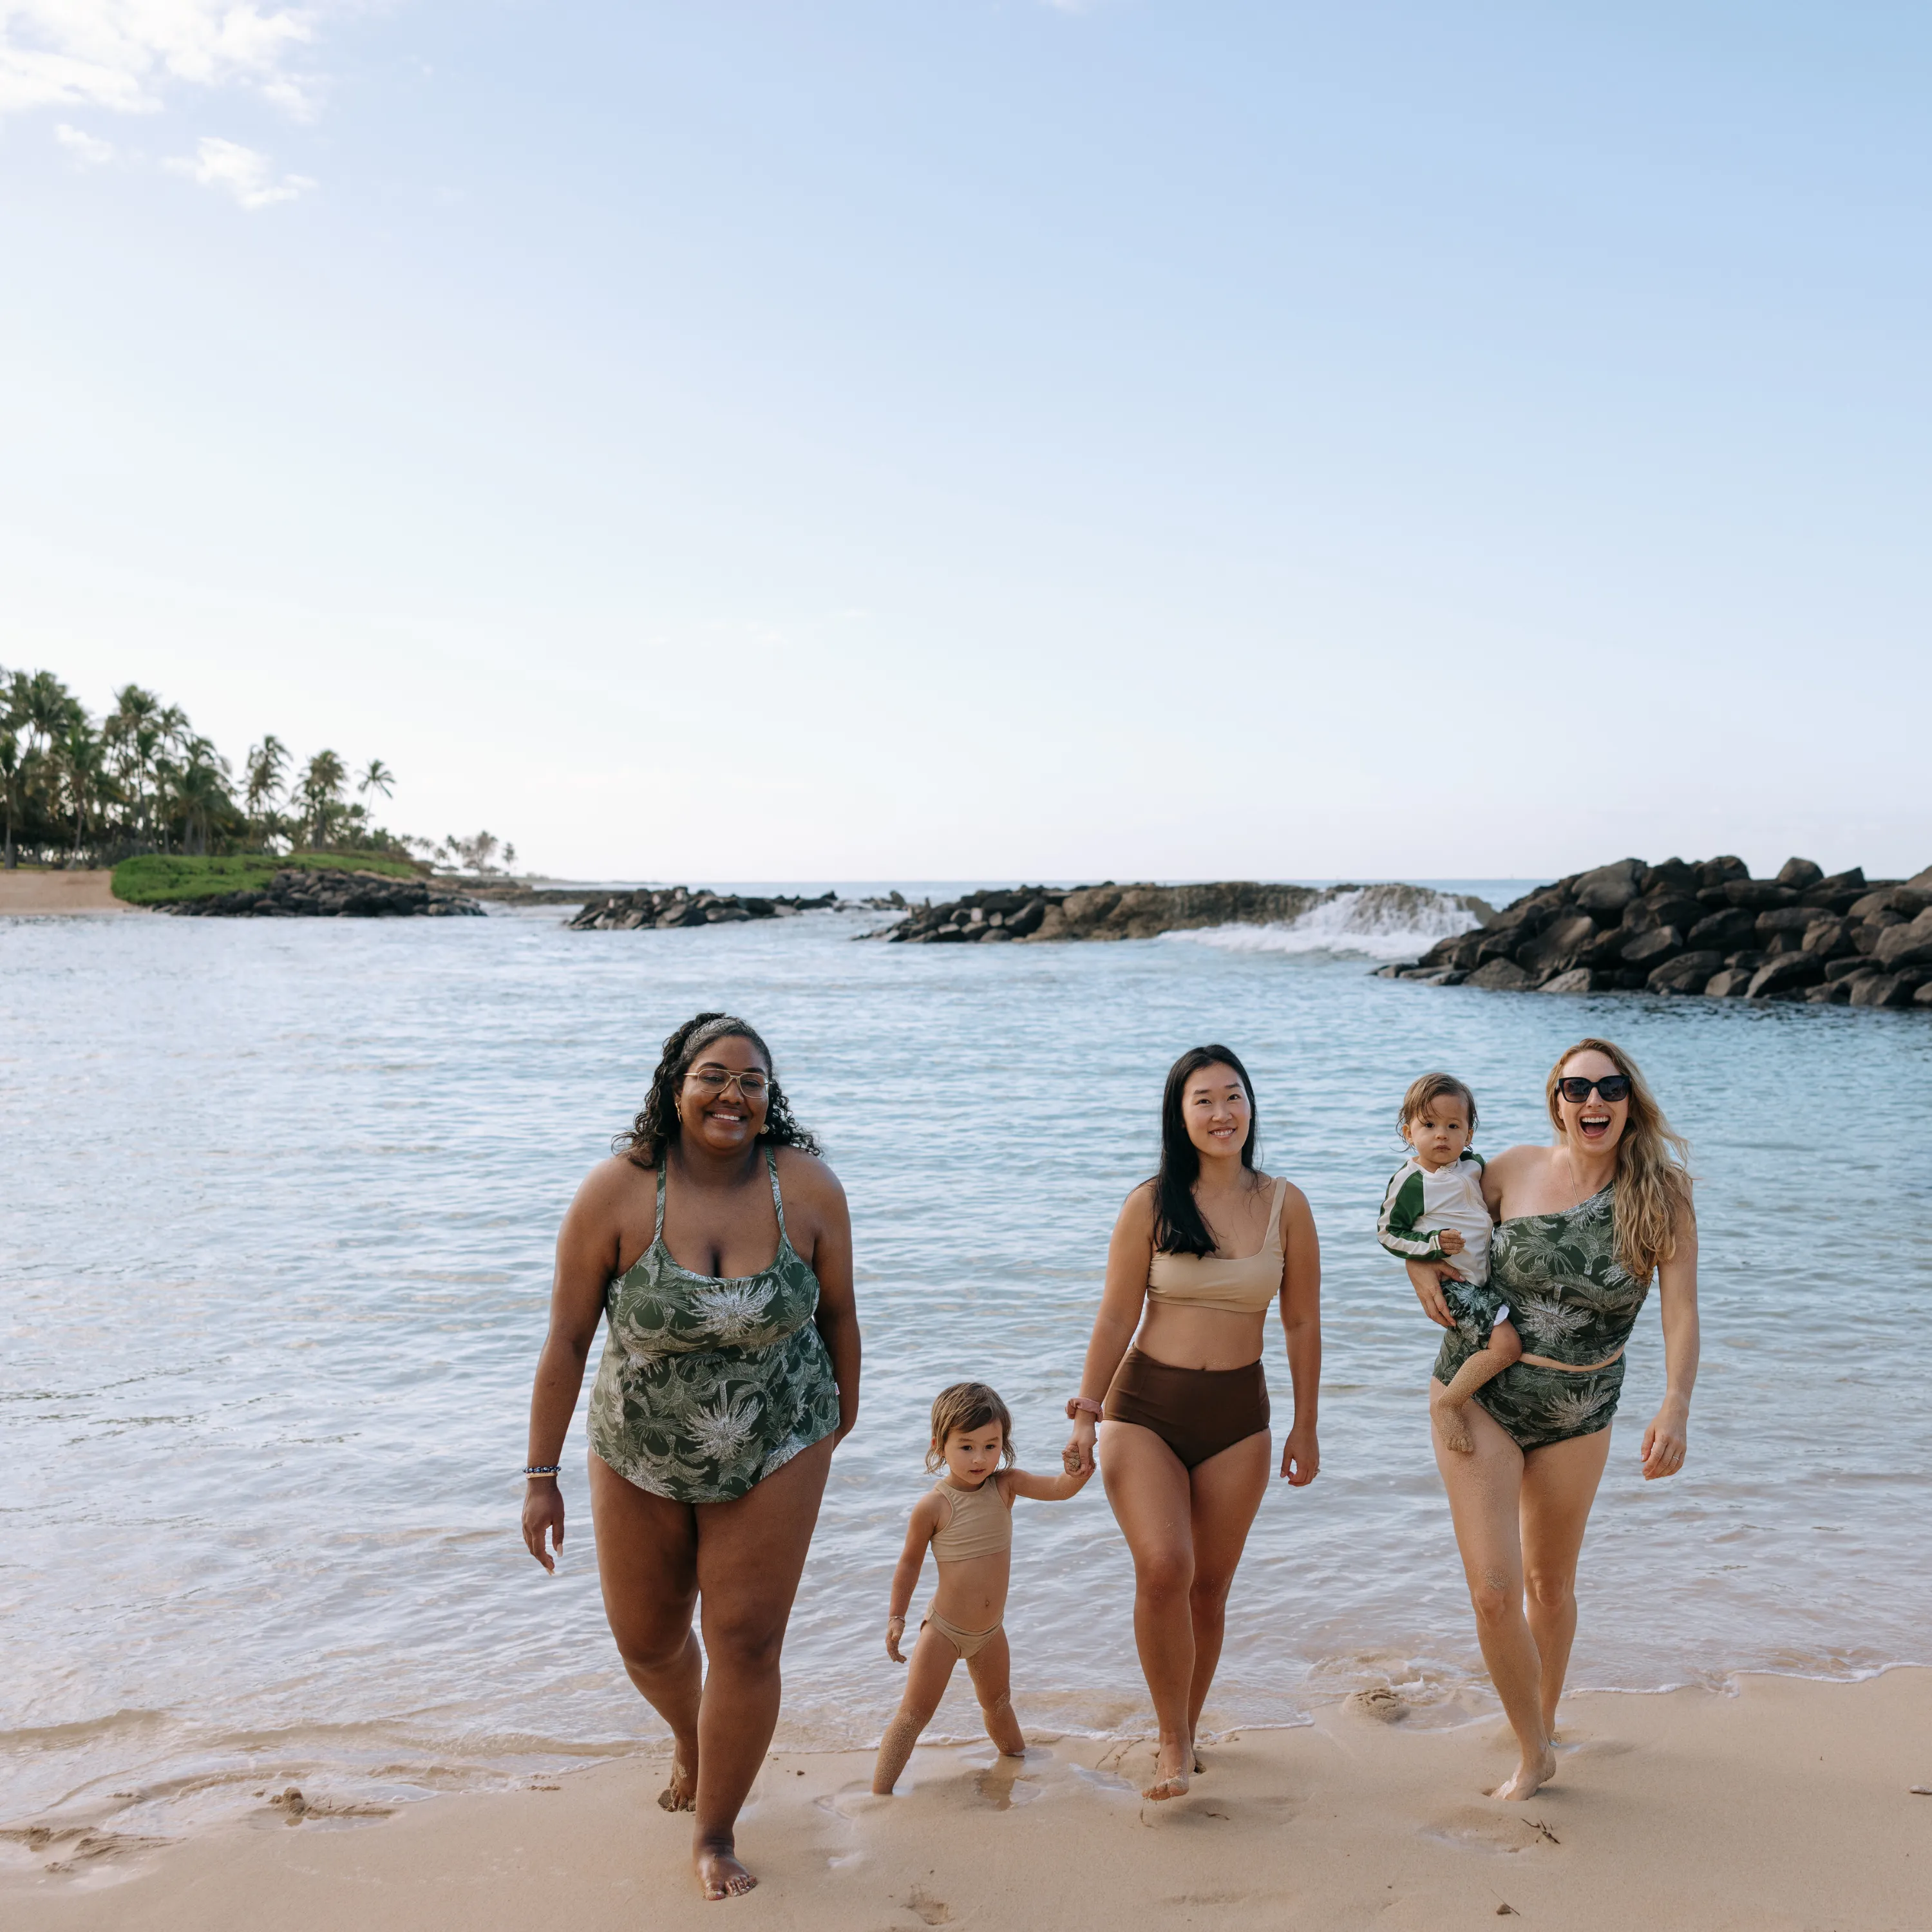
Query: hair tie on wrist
point(1076, 1403)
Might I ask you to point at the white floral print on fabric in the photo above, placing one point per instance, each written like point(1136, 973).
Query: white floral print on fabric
point(706, 1386)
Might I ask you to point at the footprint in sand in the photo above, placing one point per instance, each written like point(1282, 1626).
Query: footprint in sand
point(1469, 1830)
point(1381, 1701)
point(922, 1905)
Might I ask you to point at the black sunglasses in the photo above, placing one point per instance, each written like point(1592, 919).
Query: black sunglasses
point(1613, 1087)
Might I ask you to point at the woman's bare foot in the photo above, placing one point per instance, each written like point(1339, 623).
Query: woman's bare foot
point(1531, 1776)
point(681, 1793)
point(720, 1873)
point(1171, 1773)
point(1452, 1420)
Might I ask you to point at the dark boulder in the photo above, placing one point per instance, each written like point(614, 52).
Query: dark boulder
point(1607, 889)
point(1650, 949)
point(1656, 909)
point(1799, 873)
point(1829, 938)
point(1787, 977)
point(1558, 946)
point(1578, 979)
point(1760, 895)
point(1721, 872)
point(1735, 926)
point(1687, 973)
point(1885, 989)
point(1733, 983)
point(1784, 919)
point(1672, 875)
point(1899, 947)
point(1501, 975)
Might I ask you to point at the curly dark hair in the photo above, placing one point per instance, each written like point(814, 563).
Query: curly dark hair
point(657, 1126)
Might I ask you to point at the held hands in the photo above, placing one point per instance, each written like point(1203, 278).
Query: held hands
point(1664, 1441)
point(1077, 1458)
point(895, 1631)
point(543, 1511)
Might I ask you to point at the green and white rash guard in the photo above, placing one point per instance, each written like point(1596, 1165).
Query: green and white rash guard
point(1420, 1205)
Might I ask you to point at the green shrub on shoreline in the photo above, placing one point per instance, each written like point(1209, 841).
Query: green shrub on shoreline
point(167, 878)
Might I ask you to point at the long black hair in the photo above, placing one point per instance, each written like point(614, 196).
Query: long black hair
point(657, 1125)
point(1180, 1228)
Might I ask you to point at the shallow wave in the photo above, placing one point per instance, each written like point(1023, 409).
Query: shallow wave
point(1379, 922)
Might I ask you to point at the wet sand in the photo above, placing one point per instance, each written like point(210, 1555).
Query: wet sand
point(1787, 1807)
point(59, 892)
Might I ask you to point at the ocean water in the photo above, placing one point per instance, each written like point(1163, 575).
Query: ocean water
point(275, 1256)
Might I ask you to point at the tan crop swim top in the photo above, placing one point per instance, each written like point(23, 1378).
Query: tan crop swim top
point(1245, 1285)
point(981, 1524)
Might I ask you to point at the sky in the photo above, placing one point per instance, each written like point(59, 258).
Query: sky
point(985, 438)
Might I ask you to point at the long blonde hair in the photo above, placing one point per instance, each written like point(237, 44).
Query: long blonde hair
point(1653, 1177)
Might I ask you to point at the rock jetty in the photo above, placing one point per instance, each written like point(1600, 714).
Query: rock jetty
point(1707, 928)
point(297, 892)
point(679, 905)
point(1110, 911)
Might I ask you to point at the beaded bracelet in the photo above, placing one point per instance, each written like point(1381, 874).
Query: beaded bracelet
point(543, 1469)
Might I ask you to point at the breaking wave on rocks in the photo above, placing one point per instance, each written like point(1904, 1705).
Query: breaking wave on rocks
point(1391, 922)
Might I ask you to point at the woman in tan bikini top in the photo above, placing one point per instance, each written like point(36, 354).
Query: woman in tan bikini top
point(1199, 1255)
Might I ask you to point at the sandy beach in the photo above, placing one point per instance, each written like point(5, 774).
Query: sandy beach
point(59, 892)
point(1787, 1807)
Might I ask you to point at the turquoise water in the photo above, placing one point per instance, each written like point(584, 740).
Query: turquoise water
point(276, 1236)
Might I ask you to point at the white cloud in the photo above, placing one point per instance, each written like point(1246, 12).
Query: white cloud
point(88, 149)
point(244, 173)
point(122, 54)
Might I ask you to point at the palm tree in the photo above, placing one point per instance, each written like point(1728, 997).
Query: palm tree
point(12, 778)
point(81, 765)
point(376, 776)
point(266, 762)
point(201, 788)
point(321, 791)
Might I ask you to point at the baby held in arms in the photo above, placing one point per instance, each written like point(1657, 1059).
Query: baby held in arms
point(967, 1519)
point(1433, 1216)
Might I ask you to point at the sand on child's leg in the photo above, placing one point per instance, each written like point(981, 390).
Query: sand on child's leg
point(1448, 1406)
point(991, 1672)
point(933, 1657)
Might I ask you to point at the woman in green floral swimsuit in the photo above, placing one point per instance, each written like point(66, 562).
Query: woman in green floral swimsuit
point(727, 1378)
point(1584, 1226)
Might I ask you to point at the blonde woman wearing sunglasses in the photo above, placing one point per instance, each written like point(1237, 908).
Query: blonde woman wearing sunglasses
point(1583, 1227)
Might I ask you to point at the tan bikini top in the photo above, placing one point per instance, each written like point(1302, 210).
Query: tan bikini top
point(1245, 1285)
point(980, 1524)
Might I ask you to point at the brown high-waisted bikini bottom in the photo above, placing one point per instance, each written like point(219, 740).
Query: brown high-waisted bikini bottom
point(1196, 1412)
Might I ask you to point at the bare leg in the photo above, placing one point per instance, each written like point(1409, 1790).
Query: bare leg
point(991, 1670)
point(750, 1553)
point(1485, 1487)
point(1226, 1491)
point(647, 1563)
point(1559, 1484)
point(1148, 1489)
point(1447, 1406)
point(933, 1658)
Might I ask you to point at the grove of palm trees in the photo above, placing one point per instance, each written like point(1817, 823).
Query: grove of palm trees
point(77, 791)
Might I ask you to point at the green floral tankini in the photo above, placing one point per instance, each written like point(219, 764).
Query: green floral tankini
point(707, 1385)
point(1570, 1299)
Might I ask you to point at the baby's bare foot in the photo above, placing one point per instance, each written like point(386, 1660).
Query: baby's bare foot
point(681, 1793)
point(720, 1874)
point(1452, 1420)
point(1530, 1777)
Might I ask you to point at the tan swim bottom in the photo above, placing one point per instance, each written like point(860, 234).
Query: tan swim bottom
point(968, 1643)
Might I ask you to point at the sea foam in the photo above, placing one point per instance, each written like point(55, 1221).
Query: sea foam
point(1386, 922)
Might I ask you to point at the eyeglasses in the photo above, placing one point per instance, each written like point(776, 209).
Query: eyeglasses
point(1612, 1088)
point(715, 1080)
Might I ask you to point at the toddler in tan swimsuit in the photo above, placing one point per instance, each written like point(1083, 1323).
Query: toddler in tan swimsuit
point(967, 1519)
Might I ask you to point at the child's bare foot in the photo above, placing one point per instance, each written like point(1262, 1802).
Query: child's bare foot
point(681, 1793)
point(719, 1872)
point(1451, 1419)
point(1003, 1728)
point(1171, 1774)
point(1530, 1776)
